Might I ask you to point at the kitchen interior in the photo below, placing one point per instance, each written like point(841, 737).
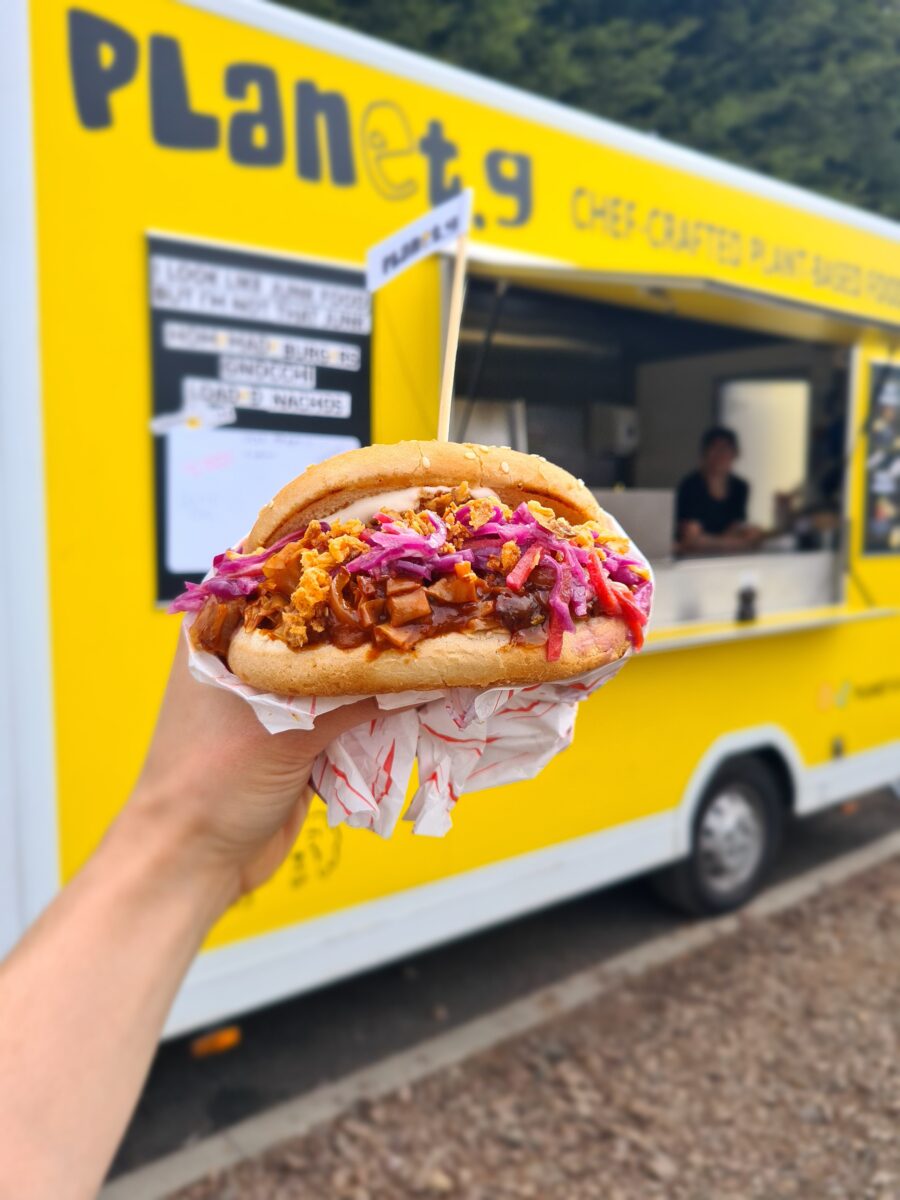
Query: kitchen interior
point(621, 397)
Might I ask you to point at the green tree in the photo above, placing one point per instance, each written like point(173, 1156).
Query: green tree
point(800, 89)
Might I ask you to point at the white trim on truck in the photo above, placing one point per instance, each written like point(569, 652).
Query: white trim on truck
point(28, 826)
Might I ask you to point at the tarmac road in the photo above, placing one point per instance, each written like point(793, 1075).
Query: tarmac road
point(291, 1047)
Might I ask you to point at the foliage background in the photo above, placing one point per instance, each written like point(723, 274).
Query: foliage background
point(806, 90)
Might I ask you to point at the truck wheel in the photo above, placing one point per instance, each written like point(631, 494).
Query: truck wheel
point(734, 841)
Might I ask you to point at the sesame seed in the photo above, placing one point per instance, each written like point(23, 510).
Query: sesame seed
point(426, 461)
point(580, 482)
point(504, 467)
point(470, 454)
point(480, 447)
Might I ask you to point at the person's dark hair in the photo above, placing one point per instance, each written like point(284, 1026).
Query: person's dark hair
point(719, 433)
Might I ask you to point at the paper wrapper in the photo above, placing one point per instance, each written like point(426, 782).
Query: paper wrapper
point(465, 740)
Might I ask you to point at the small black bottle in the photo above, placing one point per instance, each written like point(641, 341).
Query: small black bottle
point(746, 603)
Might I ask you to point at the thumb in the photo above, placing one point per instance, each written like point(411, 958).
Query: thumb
point(306, 744)
point(339, 720)
point(330, 726)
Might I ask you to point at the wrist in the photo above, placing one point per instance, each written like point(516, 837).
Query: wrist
point(173, 852)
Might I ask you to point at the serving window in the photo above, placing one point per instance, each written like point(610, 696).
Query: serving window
point(621, 397)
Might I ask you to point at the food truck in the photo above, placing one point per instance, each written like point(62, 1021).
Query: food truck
point(190, 188)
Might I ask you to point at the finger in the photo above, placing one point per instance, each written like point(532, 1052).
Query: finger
point(328, 727)
point(183, 689)
point(347, 717)
point(299, 745)
point(202, 705)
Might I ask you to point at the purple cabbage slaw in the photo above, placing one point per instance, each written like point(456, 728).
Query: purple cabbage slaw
point(397, 549)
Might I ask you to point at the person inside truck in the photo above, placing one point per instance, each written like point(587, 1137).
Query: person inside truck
point(711, 505)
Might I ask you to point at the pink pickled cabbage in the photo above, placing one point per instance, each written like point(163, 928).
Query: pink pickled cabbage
point(560, 593)
point(233, 575)
point(396, 549)
point(233, 563)
point(622, 570)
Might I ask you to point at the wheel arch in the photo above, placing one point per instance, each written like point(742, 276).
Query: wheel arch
point(768, 742)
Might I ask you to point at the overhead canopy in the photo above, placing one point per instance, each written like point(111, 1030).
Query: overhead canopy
point(677, 296)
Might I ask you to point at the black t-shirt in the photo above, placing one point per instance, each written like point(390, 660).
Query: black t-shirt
point(715, 516)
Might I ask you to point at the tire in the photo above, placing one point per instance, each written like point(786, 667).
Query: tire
point(735, 837)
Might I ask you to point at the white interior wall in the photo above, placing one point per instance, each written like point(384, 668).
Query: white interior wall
point(676, 400)
point(772, 420)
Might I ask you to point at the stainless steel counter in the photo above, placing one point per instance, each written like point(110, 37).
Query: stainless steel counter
point(706, 589)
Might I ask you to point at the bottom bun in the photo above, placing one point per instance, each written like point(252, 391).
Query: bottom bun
point(482, 659)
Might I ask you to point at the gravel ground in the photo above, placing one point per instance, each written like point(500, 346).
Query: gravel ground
point(763, 1067)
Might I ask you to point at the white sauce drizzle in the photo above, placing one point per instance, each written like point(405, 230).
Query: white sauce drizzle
point(399, 501)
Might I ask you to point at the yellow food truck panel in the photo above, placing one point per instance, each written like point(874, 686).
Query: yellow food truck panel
point(225, 125)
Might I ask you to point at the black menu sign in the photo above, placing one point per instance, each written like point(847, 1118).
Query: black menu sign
point(882, 498)
point(261, 366)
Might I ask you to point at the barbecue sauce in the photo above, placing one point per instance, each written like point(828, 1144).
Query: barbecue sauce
point(388, 612)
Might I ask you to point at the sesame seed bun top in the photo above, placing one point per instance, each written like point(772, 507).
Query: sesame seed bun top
point(329, 486)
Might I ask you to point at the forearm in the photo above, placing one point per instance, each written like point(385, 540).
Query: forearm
point(84, 997)
point(83, 1000)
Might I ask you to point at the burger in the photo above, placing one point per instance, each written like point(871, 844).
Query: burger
point(423, 565)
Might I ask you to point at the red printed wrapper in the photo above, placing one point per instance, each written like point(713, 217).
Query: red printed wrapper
point(465, 740)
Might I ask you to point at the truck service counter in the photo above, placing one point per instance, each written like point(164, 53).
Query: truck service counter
point(707, 589)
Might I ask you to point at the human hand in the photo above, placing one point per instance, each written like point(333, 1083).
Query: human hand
point(753, 535)
point(234, 795)
point(217, 807)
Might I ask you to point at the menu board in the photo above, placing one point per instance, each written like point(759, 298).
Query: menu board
point(882, 499)
point(261, 366)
